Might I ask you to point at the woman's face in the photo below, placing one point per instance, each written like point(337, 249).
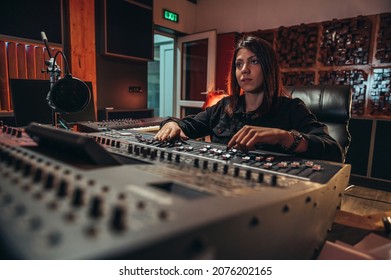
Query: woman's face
point(248, 71)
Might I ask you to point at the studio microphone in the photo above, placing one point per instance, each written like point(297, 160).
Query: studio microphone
point(45, 41)
point(67, 95)
point(43, 36)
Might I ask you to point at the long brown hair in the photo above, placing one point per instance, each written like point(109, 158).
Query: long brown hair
point(272, 84)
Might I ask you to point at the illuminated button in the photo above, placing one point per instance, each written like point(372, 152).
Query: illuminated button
point(245, 159)
point(259, 158)
point(317, 167)
point(309, 163)
point(282, 164)
point(218, 152)
point(295, 164)
point(226, 156)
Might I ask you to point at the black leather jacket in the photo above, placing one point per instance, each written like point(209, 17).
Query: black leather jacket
point(289, 114)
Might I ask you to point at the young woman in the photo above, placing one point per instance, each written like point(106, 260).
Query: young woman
point(257, 114)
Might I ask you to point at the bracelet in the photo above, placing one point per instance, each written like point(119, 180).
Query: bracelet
point(297, 136)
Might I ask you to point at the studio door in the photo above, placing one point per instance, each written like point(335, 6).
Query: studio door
point(196, 64)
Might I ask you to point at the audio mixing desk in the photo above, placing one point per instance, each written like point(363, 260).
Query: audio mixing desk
point(121, 194)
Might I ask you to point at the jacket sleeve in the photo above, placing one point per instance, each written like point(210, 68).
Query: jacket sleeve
point(200, 125)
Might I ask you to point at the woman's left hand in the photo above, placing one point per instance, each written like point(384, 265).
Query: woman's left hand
point(249, 136)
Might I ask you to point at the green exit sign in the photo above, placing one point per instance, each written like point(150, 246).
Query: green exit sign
point(171, 16)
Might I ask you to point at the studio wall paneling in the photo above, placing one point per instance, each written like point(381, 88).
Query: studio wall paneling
point(297, 46)
point(352, 51)
point(356, 78)
point(383, 46)
point(4, 85)
point(346, 41)
point(298, 78)
point(21, 59)
point(379, 101)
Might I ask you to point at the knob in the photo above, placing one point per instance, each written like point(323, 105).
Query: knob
point(130, 149)
point(49, 182)
point(38, 175)
point(78, 197)
point(62, 190)
point(260, 177)
point(96, 207)
point(215, 166)
point(248, 174)
point(26, 169)
point(196, 162)
point(273, 180)
point(118, 218)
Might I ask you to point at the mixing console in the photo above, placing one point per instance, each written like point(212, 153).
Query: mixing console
point(166, 200)
point(118, 124)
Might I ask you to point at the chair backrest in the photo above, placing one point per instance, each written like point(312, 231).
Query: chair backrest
point(331, 104)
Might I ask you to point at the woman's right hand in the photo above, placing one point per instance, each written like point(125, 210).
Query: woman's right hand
point(170, 131)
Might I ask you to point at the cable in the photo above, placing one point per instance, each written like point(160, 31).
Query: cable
point(65, 61)
point(366, 198)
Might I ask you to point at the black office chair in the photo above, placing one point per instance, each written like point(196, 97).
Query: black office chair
point(331, 104)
